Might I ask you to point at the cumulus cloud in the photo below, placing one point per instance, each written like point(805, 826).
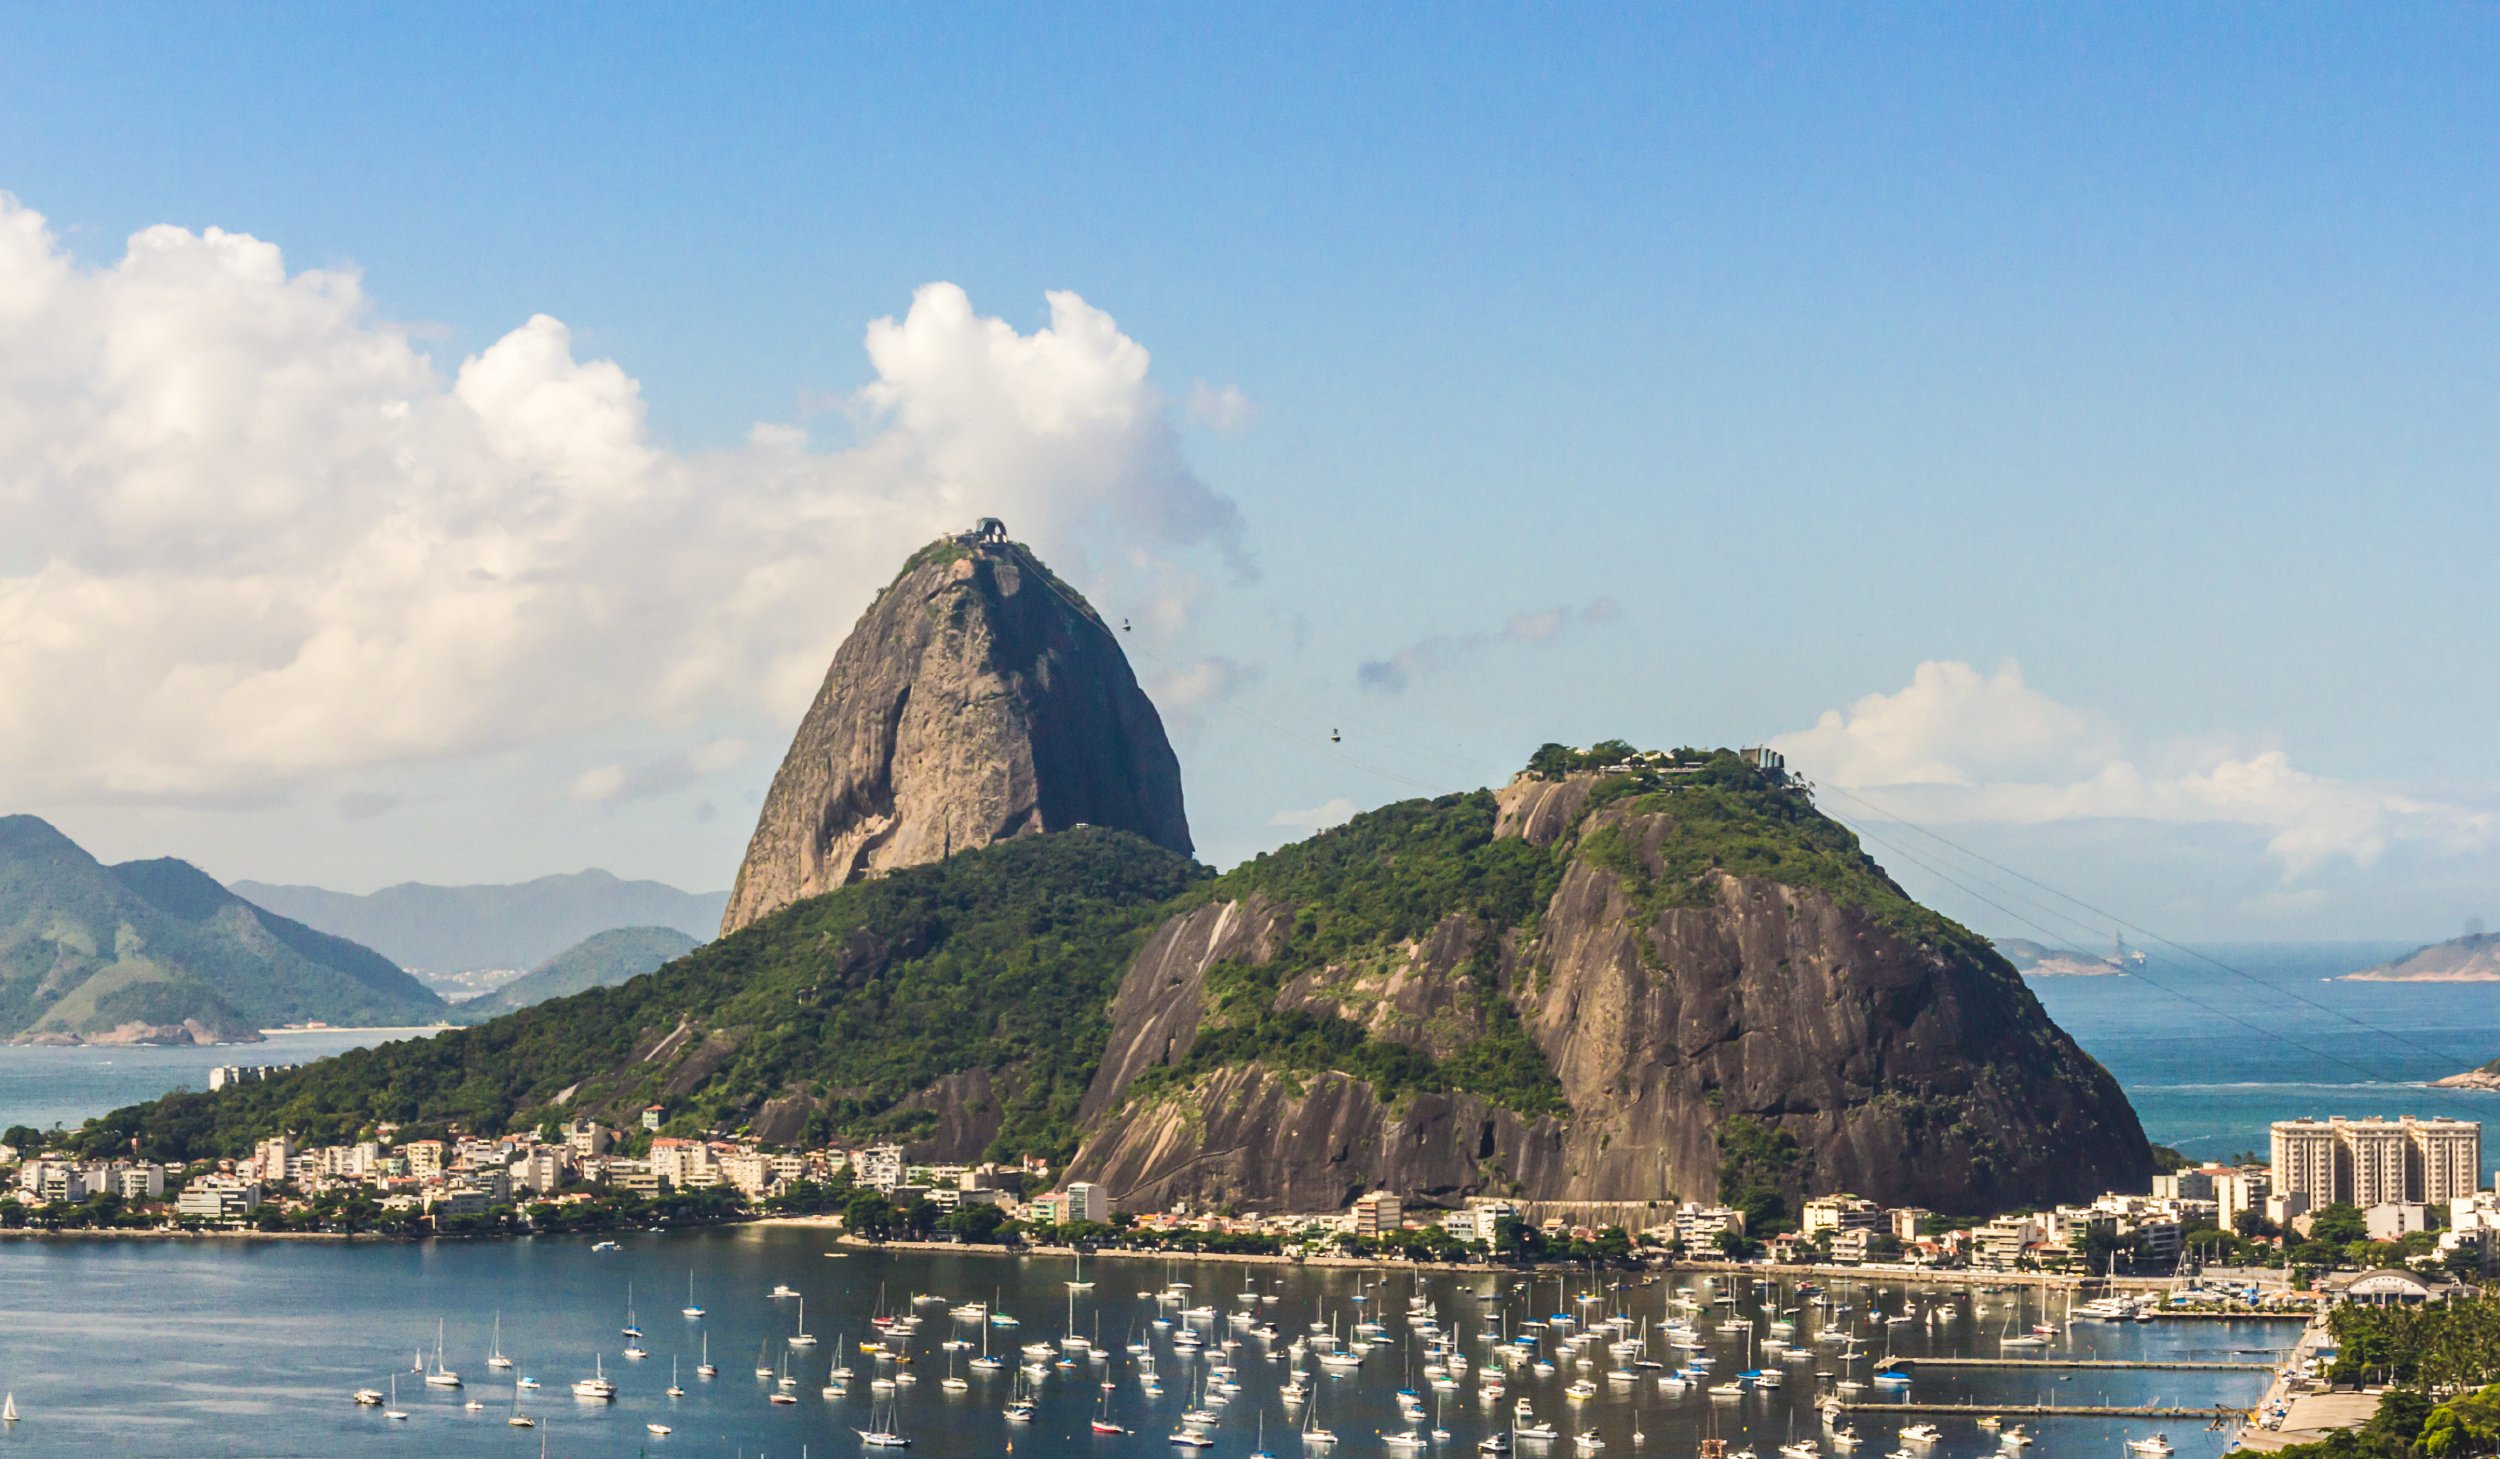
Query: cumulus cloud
point(1959, 745)
point(252, 534)
point(1318, 818)
point(1222, 409)
point(1441, 652)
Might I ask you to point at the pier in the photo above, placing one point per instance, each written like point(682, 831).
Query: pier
point(1906, 1361)
point(2216, 1414)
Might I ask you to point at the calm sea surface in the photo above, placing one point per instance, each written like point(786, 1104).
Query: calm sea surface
point(129, 1348)
point(44, 1087)
point(2211, 1055)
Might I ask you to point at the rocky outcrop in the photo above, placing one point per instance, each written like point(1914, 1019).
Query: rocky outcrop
point(977, 699)
point(1267, 1141)
point(1912, 1066)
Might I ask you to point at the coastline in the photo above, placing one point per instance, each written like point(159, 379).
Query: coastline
point(852, 1245)
point(427, 1029)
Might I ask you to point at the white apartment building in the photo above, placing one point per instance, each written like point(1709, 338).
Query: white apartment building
point(881, 1167)
point(218, 1198)
point(2305, 1160)
point(2373, 1157)
point(1842, 1212)
point(2377, 1162)
point(2449, 1158)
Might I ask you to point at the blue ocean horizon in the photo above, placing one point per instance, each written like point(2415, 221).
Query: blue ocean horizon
point(2215, 1043)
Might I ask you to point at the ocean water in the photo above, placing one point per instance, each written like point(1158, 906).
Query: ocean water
point(131, 1349)
point(2211, 1055)
point(43, 1087)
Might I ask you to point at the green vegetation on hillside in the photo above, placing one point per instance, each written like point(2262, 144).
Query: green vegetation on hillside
point(1729, 816)
point(1002, 959)
point(1384, 878)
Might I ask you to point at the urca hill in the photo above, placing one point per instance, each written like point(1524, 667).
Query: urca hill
point(1621, 976)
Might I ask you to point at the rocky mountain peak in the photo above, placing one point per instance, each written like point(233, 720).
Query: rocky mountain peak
point(978, 698)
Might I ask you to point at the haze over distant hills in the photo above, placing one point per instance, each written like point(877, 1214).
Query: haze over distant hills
point(158, 952)
point(601, 960)
point(453, 929)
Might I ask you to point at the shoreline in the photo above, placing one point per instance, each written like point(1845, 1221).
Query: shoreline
point(852, 1245)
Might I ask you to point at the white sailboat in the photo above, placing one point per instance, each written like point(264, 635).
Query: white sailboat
point(705, 1369)
point(802, 1338)
point(439, 1376)
point(395, 1412)
point(674, 1391)
point(886, 1435)
point(1078, 1283)
point(596, 1387)
point(8, 1409)
point(494, 1356)
point(690, 1309)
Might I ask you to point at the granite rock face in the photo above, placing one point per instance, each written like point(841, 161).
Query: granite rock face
point(1914, 1070)
point(978, 699)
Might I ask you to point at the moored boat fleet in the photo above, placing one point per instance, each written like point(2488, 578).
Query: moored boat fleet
point(1519, 1364)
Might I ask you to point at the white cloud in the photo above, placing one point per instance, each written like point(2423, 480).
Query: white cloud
point(250, 535)
point(1318, 818)
point(1957, 745)
point(1222, 409)
point(1198, 685)
point(1441, 652)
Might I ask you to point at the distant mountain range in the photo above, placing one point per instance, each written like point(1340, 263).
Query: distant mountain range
point(158, 952)
point(2470, 959)
point(456, 929)
point(601, 960)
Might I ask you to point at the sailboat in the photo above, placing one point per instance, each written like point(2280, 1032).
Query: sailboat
point(8, 1409)
point(494, 1357)
point(440, 1376)
point(395, 1412)
point(690, 1309)
point(886, 1435)
point(630, 1329)
point(674, 1391)
point(1261, 1451)
point(705, 1369)
point(1102, 1415)
point(802, 1338)
point(1078, 1283)
point(597, 1387)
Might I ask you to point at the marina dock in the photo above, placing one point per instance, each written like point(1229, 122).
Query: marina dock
point(2218, 1414)
point(1910, 1361)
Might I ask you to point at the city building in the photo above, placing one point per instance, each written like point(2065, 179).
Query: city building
point(1088, 1202)
point(1377, 1213)
point(1841, 1212)
point(2376, 1162)
point(218, 1198)
point(881, 1167)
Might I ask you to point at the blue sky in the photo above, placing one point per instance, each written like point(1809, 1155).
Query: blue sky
point(2151, 351)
